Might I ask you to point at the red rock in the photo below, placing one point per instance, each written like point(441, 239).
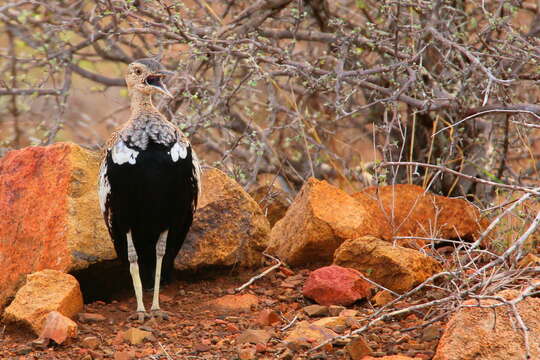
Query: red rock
point(407, 210)
point(491, 333)
point(229, 228)
point(45, 291)
point(358, 348)
point(268, 317)
point(336, 285)
point(254, 336)
point(57, 327)
point(50, 213)
point(247, 353)
point(90, 317)
point(261, 348)
point(394, 267)
point(320, 218)
point(234, 303)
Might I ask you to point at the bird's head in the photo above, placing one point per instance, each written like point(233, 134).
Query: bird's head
point(146, 77)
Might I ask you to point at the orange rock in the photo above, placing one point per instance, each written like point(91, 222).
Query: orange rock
point(57, 327)
point(305, 334)
point(272, 200)
point(268, 317)
point(50, 213)
point(382, 298)
point(394, 267)
point(491, 333)
point(407, 210)
point(358, 348)
point(229, 228)
point(45, 291)
point(234, 303)
point(320, 218)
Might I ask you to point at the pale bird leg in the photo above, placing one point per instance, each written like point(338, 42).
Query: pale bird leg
point(135, 276)
point(160, 252)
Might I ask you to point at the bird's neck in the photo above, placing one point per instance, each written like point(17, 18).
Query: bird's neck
point(141, 103)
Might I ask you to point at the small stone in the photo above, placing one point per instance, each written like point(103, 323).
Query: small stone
point(268, 317)
point(382, 298)
point(247, 353)
point(23, 350)
point(431, 332)
point(335, 310)
point(124, 355)
point(358, 348)
point(200, 347)
point(40, 343)
point(348, 313)
point(260, 348)
point(316, 310)
point(234, 303)
point(58, 327)
point(305, 334)
point(331, 322)
point(90, 342)
point(254, 337)
point(90, 317)
point(136, 336)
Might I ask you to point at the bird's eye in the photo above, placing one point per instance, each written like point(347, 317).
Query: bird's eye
point(138, 71)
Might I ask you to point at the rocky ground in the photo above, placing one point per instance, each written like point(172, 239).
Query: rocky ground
point(462, 301)
point(201, 328)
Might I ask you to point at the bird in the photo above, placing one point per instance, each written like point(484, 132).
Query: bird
point(149, 185)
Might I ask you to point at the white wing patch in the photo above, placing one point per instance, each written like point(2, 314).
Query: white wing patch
point(104, 186)
point(121, 154)
point(178, 151)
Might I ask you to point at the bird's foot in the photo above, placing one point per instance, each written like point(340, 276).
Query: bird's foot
point(160, 314)
point(139, 316)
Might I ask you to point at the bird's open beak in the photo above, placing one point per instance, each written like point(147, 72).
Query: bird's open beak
point(156, 80)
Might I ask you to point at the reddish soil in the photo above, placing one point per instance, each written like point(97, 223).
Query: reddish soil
point(197, 332)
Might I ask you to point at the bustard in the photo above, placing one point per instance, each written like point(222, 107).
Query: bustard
point(149, 183)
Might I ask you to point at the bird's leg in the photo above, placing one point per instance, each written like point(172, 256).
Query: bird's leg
point(135, 276)
point(160, 252)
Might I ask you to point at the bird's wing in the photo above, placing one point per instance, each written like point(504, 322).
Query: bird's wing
point(105, 192)
point(180, 149)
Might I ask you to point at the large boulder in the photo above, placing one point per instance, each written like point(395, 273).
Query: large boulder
point(394, 267)
point(408, 210)
point(50, 213)
point(320, 218)
point(491, 333)
point(336, 285)
point(229, 228)
point(44, 292)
